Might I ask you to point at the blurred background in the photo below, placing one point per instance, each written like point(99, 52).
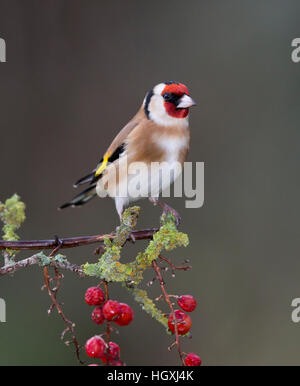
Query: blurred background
point(76, 72)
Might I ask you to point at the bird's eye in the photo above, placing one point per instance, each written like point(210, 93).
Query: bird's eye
point(167, 96)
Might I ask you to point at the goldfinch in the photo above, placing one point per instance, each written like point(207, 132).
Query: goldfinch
point(157, 135)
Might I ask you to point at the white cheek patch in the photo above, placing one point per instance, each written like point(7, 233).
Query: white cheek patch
point(159, 89)
point(159, 115)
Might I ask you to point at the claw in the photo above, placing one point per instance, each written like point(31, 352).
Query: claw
point(167, 209)
point(132, 238)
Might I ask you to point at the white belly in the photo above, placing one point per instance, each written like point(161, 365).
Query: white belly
point(131, 182)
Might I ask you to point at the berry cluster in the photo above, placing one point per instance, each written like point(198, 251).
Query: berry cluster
point(109, 353)
point(109, 311)
point(184, 323)
point(122, 314)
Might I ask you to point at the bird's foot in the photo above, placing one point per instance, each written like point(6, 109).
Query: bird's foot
point(167, 210)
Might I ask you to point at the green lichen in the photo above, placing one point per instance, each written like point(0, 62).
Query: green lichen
point(108, 267)
point(46, 260)
point(12, 214)
point(141, 297)
point(59, 258)
point(111, 269)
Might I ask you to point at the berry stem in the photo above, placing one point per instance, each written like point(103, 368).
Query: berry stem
point(167, 299)
point(105, 284)
point(55, 304)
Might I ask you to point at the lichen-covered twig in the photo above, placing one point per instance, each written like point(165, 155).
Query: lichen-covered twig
point(12, 214)
point(141, 297)
point(36, 259)
point(108, 268)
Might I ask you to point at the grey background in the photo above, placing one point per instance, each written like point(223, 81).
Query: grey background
point(76, 72)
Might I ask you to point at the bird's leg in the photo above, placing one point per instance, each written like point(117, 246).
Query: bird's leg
point(166, 209)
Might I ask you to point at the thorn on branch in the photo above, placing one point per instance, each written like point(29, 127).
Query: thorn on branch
point(150, 283)
point(172, 346)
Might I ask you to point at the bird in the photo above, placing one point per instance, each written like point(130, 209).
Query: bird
point(158, 134)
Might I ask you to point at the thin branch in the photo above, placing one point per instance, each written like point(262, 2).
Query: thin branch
point(52, 293)
point(73, 241)
point(108, 327)
point(173, 266)
point(35, 259)
point(167, 299)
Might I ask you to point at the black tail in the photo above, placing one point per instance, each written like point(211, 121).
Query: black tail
point(89, 178)
point(82, 197)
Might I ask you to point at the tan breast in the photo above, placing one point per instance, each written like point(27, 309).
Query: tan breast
point(149, 142)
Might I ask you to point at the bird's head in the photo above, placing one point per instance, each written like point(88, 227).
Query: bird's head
point(168, 103)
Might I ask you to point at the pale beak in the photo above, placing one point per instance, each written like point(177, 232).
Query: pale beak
point(186, 101)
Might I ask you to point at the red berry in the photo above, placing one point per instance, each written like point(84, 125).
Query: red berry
point(126, 315)
point(192, 360)
point(184, 322)
point(97, 315)
point(95, 347)
point(111, 310)
point(187, 303)
point(94, 296)
point(113, 354)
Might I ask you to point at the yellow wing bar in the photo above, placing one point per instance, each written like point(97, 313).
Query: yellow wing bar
point(103, 165)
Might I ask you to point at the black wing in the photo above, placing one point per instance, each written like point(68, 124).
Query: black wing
point(90, 192)
point(91, 178)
